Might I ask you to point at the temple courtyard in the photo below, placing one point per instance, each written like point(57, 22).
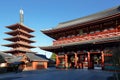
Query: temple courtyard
point(57, 74)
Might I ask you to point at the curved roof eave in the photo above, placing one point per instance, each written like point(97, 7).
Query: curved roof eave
point(96, 41)
point(96, 16)
point(24, 26)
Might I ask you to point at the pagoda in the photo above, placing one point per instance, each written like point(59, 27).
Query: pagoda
point(86, 42)
point(20, 38)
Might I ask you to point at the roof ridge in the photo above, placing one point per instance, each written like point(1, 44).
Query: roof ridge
point(103, 11)
point(98, 15)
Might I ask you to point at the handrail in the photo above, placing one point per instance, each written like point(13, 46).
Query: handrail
point(96, 35)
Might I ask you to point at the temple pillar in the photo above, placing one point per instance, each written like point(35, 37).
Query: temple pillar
point(66, 61)
point(76, 59)
point(81, 61)
point(57, 60)
point(102, 59)
point(88, 53)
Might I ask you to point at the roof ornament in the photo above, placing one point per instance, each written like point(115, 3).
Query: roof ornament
point(21, 16)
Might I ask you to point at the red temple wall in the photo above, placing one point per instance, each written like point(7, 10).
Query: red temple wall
point(96, 35)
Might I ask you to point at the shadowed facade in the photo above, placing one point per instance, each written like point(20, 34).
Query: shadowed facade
point(86, 42)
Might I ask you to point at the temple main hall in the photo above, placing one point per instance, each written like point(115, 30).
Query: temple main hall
point(86, 42)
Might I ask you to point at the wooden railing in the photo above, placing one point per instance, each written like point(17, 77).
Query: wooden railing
point(28, 34)
point(21, 48)
point(22, 30)
point(23, 36)
point(21, 42)
point(92, 36)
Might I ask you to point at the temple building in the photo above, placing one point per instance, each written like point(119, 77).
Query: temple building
point(20, 46)
point(86, 42)
point(20, 38)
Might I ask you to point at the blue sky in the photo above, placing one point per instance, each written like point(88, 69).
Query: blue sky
point(45, 14)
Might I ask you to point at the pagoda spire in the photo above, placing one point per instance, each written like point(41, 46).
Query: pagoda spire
point(21, 16)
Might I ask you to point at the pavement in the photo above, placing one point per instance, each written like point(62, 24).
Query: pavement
point(57, 74)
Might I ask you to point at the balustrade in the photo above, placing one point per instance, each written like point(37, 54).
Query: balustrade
point(23, 36)
point(21, 48)
point(22, 30)
point(95, 35)
point(25, 33)
point(21, 42)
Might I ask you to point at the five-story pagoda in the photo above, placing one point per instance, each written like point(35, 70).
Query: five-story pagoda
point(20, 38)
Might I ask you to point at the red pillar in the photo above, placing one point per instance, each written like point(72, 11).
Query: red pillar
point(66, 61)
point(88, 60)
point(102, 56)
point(57, 60)
point(76, 59)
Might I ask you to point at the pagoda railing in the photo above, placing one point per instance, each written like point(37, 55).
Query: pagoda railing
point(26, 39)
point(22, 30)
point(21, 48)
point(23, 37)
point(25, 32)
point(21, 42)
point(92, 36)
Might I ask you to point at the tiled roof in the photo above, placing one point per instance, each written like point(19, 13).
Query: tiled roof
point(19, 43)
point(18, 38)
point(5, 55)
point(93, 17)
point(96, 16)
point(42, 56)
point(15, 26)
point(15, 32)
point(34, 57)
point(14, 59)
point(10, 58)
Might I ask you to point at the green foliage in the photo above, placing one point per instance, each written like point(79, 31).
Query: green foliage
point(2, 59)
point(53, 56)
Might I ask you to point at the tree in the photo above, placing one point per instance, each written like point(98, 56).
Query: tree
point(53, 56)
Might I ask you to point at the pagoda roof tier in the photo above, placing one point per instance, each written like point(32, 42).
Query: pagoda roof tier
point(82, 22)
point(19, 38)
point(19, 44)
point(14, 51)
point(15, 32)
point(60, 47)
point(18, 25)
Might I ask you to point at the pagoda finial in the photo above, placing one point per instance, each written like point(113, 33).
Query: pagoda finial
point(21, 16)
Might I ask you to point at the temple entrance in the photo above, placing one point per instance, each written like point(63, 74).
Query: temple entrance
point(82, 62)
point(71, 61)
point(95, 61)
point(92, 60)
point(78, 61)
